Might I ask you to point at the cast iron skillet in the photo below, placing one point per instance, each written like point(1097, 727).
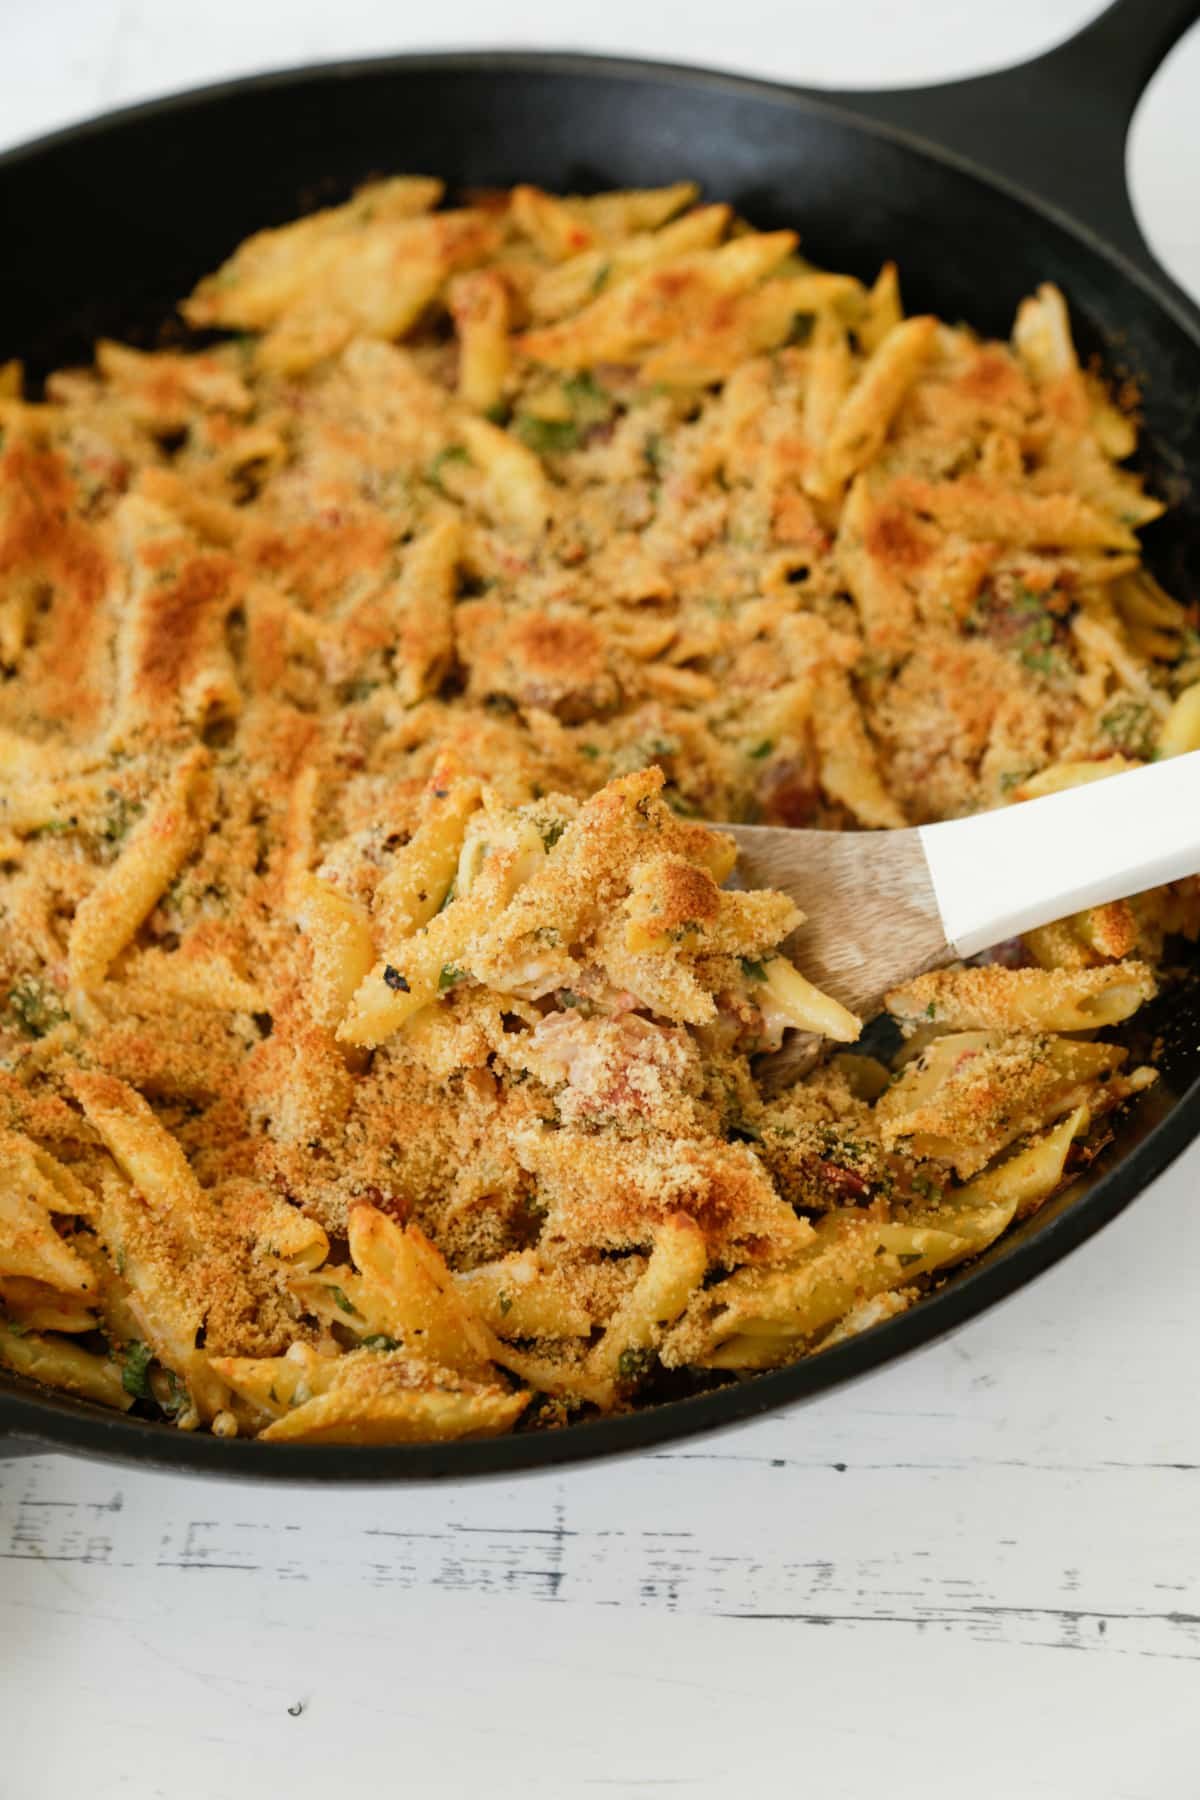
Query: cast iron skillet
point(109, 223)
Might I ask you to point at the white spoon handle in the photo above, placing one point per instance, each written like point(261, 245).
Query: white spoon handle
point(1000, 873)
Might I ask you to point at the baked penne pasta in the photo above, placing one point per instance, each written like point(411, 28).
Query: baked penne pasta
point(384, 1050)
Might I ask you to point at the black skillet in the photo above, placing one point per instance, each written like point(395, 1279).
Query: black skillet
point(981, 189)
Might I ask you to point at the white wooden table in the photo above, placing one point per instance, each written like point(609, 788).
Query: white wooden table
point(977, 1573)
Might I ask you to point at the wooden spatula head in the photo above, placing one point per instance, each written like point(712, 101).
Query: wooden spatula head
point(871, 915)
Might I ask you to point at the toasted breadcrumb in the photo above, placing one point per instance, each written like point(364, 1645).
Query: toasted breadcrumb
point(377, 1031)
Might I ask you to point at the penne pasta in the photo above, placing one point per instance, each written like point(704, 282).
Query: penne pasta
point(386, 1040)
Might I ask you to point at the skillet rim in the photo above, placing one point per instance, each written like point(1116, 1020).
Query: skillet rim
point(34, 1420)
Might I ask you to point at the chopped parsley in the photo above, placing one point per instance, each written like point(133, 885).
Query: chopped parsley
point(135, 1369)
point(633, 1364)
point(504, 1301)
point(449, 975)
point(927, 1189)
point(379, 1340)
point(584, 392)
point(1129, 725)
point(1033, 645)
point(453, 453)
point(551, 833)
point(592, 750)
point(395, 980)
point(178, 1399)
point(689, 928)
point(35, 1007)
point(752, 969)
point(343, 1304)
point(589, 405)
point(547, 437)
point(599, 278)
point(931, 1010)
point(120, 816)
point(53, 828)
point(761, 750)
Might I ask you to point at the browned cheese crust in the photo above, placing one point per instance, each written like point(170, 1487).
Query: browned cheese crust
point(378, 1035)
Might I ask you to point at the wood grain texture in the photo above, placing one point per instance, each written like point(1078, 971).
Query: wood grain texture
point(871, 914)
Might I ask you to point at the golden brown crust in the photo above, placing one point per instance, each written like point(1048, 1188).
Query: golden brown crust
point(368, 980)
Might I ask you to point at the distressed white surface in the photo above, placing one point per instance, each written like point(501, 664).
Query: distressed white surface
point(977, 1573)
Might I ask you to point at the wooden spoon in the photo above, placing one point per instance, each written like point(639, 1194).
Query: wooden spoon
point(883, 906)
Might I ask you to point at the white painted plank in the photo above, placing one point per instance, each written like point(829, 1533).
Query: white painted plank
point(977, 1572)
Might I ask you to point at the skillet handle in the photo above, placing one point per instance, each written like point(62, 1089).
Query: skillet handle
point(1056, 127)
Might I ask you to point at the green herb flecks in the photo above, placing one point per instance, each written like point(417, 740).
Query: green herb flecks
point(135, 1364)
point(379, 1340)
point(632, 1365)
point(547, 437)
point(752, 969)
point(452, 453)
point(925, 1188)
point(34, 1007)
point(761, 750)
point(1130, 726)
point(585, 394)
point(448, 977)
point(679, 803)
point(177, 1399)
point(343, 1304)
point(120, 815)
point(689, 928)
point(551, 832)
point(1033, 645)
point(589, 405)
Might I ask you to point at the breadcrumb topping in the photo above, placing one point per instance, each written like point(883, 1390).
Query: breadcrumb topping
point(378, 1036)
